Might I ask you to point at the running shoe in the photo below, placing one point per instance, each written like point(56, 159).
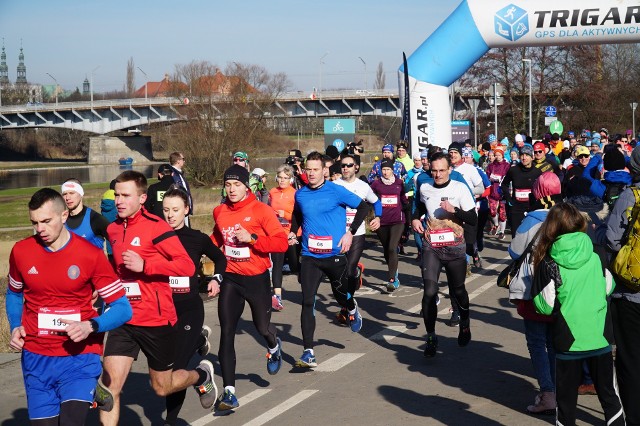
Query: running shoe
point(360, 268)
point(206, 346)
point(342, 315)
point(286, 269)
point(274, 361)
point(355, 320)
point(501, 236)
point(585, 389)
point(477, 261)
point(393, 285)
point(276, 303)
point(455, 318)
point(493, 230)
point(102, 398)
point(227, 401)
point(307, 360)
point(432, 346)
point(464, 335)
point(208, 391)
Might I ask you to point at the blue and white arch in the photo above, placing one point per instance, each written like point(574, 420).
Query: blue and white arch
point(478, 25)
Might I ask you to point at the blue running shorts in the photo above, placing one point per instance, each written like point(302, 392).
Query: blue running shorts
point(51, 380)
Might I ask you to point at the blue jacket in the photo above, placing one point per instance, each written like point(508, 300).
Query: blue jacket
point(598, 187)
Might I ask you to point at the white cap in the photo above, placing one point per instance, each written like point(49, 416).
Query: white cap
point(566, 144)
point(258, 172)
point(519, 138)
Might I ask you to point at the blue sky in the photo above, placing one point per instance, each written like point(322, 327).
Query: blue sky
point(68, 39)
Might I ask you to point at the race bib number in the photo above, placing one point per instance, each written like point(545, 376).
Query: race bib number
point(442, 237)
point(350, 216)
point(237, 254)
point(495, 178)
point(389, 200)
point(52, 321)
point(318, 244)
point(179, 284)
point(522, 195)
point(132, 289)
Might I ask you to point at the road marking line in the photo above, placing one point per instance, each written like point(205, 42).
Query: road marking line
point(336, 362)
point(251, 396)
point(281, 408)
point(389, 333)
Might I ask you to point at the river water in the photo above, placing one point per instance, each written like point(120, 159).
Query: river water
point(50, 176)
point(30, 178)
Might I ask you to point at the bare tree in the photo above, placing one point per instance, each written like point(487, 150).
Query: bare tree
point(591, 86)
point(131, 77)
point(227, 112)
point(380, 77)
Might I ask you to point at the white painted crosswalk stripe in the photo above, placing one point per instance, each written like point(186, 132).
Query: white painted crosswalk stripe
point(388, 333)
point(281, 408)
point(336, 362)
point(243, 401)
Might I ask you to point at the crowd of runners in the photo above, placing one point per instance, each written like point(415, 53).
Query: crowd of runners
point(135, 271)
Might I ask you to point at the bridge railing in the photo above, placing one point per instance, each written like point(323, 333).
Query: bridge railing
point(141, 102)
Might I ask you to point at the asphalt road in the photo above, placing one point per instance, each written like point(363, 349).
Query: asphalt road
point(376, 377)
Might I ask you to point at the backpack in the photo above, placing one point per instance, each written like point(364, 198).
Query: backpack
point(612, 193)
point(626, 264)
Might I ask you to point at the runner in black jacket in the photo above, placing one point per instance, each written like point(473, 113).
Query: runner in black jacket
point(516, 187)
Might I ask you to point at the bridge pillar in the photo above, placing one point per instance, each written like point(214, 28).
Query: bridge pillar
point(109, 149)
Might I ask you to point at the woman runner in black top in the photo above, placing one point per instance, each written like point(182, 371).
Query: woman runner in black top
point(193, 336)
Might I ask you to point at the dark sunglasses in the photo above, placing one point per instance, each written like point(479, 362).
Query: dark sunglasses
point(237, 160)
point(538, 152)
point(347, 165)
point(584, 156)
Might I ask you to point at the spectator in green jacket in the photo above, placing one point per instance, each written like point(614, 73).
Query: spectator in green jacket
point(571, 284)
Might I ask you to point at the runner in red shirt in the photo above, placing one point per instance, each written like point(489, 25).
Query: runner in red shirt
point(249, 230)
point(52, 277)
point(147, 252)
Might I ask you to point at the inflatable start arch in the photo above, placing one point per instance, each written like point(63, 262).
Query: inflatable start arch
point(479, 25)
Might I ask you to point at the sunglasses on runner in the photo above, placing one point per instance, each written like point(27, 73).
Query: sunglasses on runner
point(344, 166)
point(584, 156)
point(239, 160)
point(538, 152)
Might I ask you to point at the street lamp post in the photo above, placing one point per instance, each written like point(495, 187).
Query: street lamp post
point(91, 84)
point(365, 72)
point(56, 89)
point(146, 82)
point(633, 106)
point(320, 85)
point(530, 98)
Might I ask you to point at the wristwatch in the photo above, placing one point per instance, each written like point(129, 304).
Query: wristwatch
point(94, 325)
point(254, 238)
point(218, 278)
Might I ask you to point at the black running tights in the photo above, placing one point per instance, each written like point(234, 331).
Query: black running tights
point(311, 272)
point(234, 292)
point(456, 273)
point(390, 238)
point(188, 339)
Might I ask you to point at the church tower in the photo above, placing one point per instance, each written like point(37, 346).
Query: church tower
point(22, 69)
point(4, 69)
